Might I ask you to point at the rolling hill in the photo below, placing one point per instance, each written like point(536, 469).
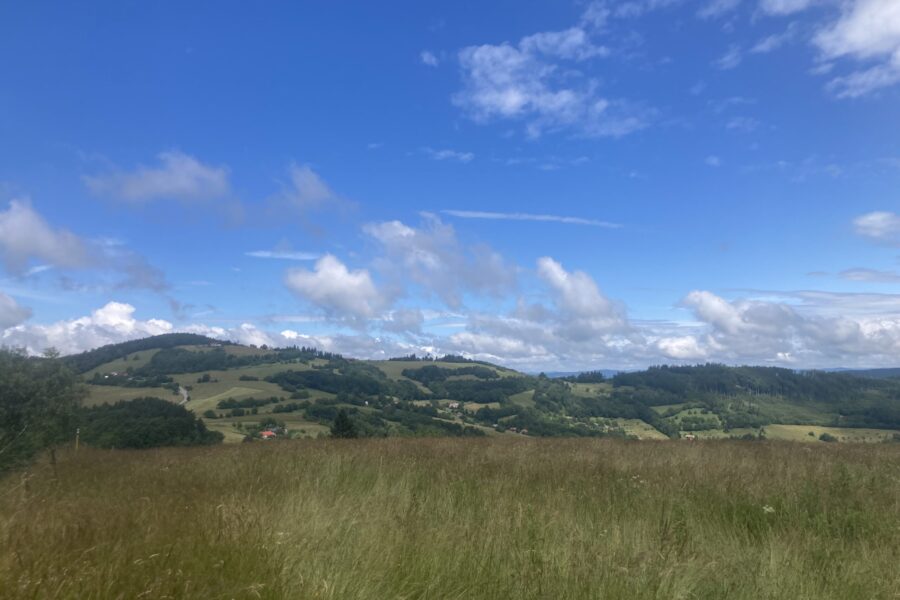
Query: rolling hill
point(242, 390)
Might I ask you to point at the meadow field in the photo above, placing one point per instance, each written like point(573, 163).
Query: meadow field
point(449, 518)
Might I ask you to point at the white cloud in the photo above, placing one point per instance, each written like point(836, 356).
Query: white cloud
point(531, 82)
point(447, 154)
point(731, 59)
point(775, 41)
point(870, 275)
point(110, 324)
point(404, 320)
point(580, 301)
point(428, 58)
point(742, 124)
point(433, 258)
point(713, 161)
point(578, 326)
point(867, 30)
point(499, 216)
point(879, 226)
point(179, 176)
point(752, 330)
point(340, 292)
point(25, 235)
point(307, 191)
point(283, 255)
point(493, 347)
point(718, 8)
point(784, 7)
point(11, 313)
point(635, 8)
point(571, 44)
point(682, 348)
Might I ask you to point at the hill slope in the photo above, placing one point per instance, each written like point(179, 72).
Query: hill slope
point(242, 390)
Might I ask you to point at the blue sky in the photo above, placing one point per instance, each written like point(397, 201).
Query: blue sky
point(548, 185)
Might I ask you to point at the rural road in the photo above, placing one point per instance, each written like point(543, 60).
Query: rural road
point(184, 395)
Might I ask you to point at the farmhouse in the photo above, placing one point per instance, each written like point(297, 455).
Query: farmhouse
point(268, 435)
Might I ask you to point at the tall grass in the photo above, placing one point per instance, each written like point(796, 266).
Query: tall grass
point(450, 518)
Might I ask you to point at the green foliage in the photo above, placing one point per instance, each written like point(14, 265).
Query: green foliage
point(129, 379)
point(343, 427)
point(827, 437)
point(181, 360)
point(735, 393)
point(245, 402)
point(431, 374)
point(357, 379)
point(586, 377)
point(143, 423)
point(39, 398)
point(94, 358)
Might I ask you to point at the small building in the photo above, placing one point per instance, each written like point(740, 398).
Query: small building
point(268, 435)
point(453, 406)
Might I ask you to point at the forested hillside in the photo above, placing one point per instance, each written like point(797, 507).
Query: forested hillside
point(241, 391)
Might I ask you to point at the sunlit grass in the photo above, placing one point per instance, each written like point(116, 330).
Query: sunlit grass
point(450, 518)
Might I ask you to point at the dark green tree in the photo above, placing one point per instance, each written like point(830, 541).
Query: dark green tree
point(144, 423)
point(39, 398)
point(343, 426)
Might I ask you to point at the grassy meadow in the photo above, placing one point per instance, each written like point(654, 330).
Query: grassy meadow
point(450, 518)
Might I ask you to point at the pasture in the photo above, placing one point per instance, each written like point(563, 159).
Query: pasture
point(448, 518)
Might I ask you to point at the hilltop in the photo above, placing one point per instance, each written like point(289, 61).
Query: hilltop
point(240, 390)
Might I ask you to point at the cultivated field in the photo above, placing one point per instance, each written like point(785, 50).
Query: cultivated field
point(450, 518)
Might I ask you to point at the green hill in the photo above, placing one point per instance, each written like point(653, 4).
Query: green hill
point(241, 390)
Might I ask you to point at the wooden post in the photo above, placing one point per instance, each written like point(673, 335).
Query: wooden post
point(77, 435)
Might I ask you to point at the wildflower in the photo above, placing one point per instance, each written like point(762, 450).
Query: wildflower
point(768, 509)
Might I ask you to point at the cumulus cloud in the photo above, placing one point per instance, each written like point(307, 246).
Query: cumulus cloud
point(756, 330)
point(11, 313)
point(25, 235)
point(579, 302)
point(531, 81)
point(682, 348)
point(429, 58)
point(432, 257)
point(867, 31)
point(578, 326)
point(110, 324)
point(338, 291)
point(879, 226)
point(179, 176)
